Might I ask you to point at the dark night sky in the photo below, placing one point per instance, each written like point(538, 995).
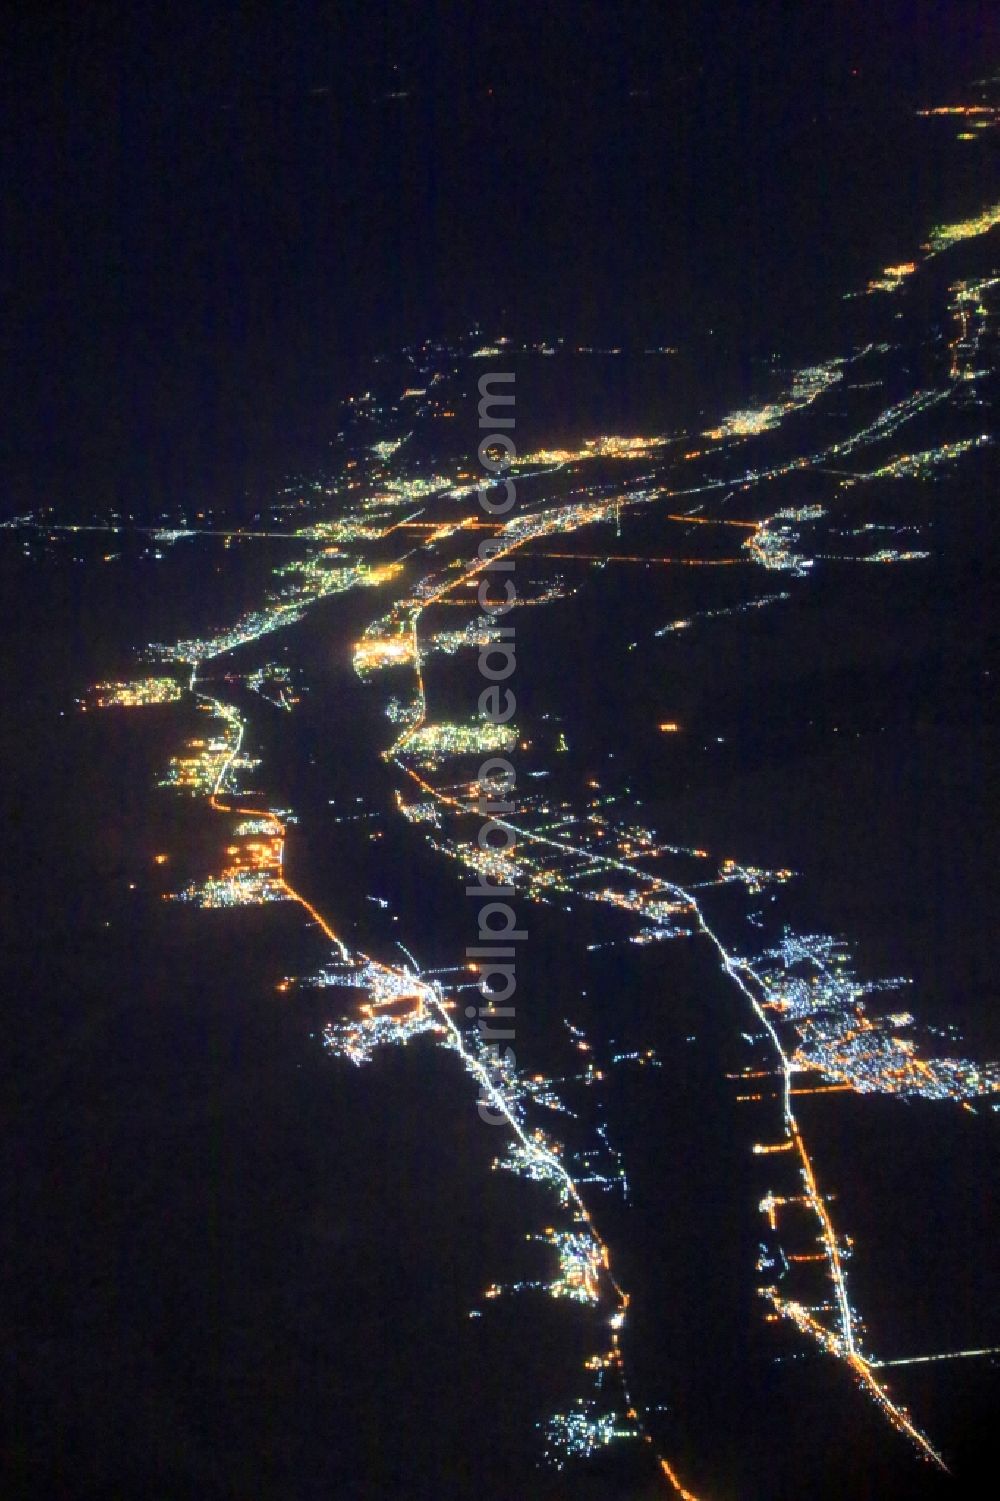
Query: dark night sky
point(213, 212)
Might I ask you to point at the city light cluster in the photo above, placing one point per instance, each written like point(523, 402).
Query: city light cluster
point(374, 652)
point(973, 319)
point(771, 543)
point(274, 684)
point(197, 773)
point(922, 465)
point(808, 980)
point(892, 278)
point(944, 236)
point(675, 626)
point(135, 695)
point(807, 386)
point(432, 744)
point(318, 580)
point(234, 888)
point(581, 1432)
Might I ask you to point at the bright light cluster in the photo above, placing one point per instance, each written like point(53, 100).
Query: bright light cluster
point(580, 1266)
point(807, 386)
point(753, 877)
point(924, 464)
point(265, 825)
point(740, 609)
point(584, 1430)
point(374, 652)
point(892, 278)
point(808, 980)
point(274, 684)
point(772, 542)
point(198, 773)
point(944, 236)
point(135, 695)
point(396, 1011)
point(432, 744)
point(234, 888)
point(972, 318)
point(318, 580)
